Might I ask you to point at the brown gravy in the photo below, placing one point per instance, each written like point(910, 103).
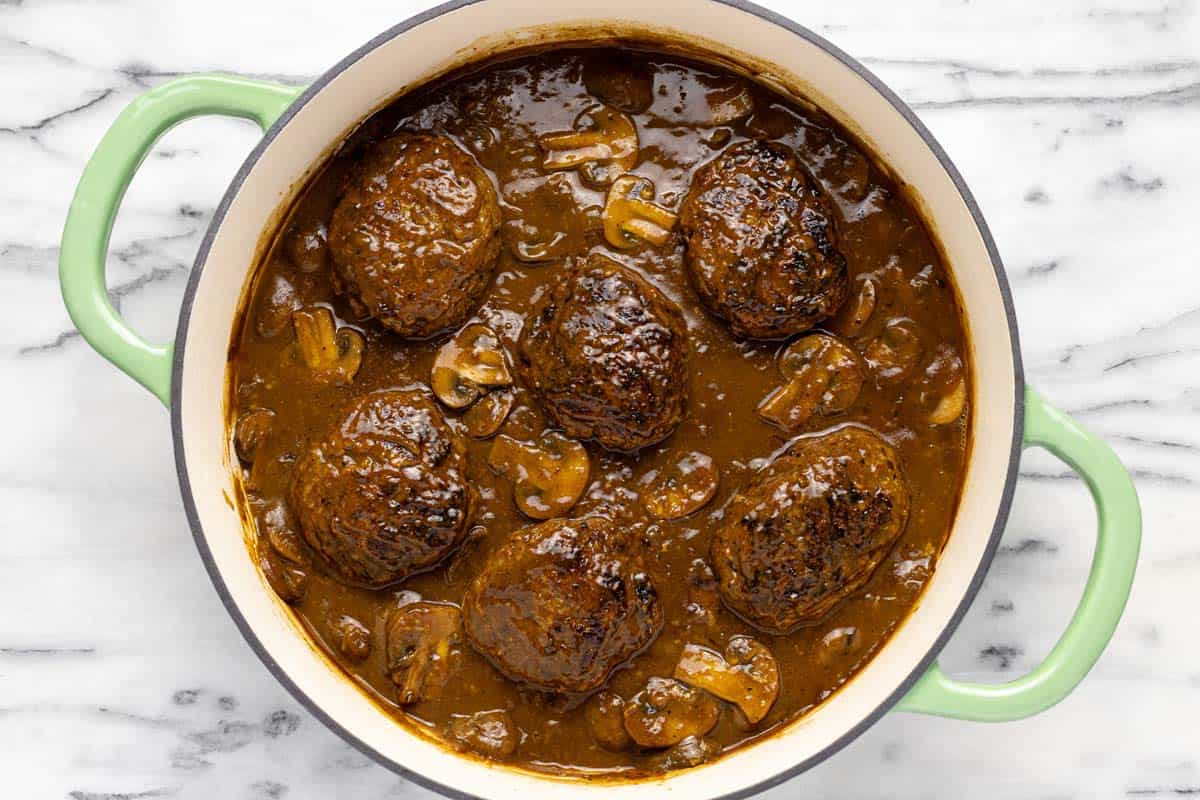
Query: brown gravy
point(496, 112)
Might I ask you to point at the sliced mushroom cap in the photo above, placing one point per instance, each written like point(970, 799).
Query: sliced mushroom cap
point(549, 475)
point(943, 386)
point(747, 676)
point(483, 419)
point(603, 145)
point(287, 581)
point(276, 525)
point(631, 215)
point(275, 307)
point(703, 597)
point(682, 488)
point(524, 423)
point(423, 641)
point(615, 81)
point(605, 715)
point(668, 711)
point(730, 103)
point(333, 354)
point(840, 364)
point(857, 311)
point(491, 734)
point(353, 638)
point(306, 243)
point(951, 406)
point(465, 366)
point(838, 644)
point(251, 431)
point(691, 752)
point(791, 405)
point(461, 561)
point(824, 376)
point(895, 352)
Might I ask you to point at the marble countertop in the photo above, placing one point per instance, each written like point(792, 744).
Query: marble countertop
point(1074, 122)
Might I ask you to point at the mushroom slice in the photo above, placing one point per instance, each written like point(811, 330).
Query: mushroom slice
point(483, 419)
point(622, 84)
point(281, 534)
point(423, 641)
point(894, 353)
point(630, 215)
point(333, 354)
point(837, 645)
point(824, 376)
point(468, 364)
point(791, 405)
point(549, 475)
point(730, 103)
point(857, 312)
point(703, 597)
point(491, 734)
point(951, 406)
point(524, 423)
point(605, 715)
point(668, 711)
point(691, 752)
point(251, 431)
point(747, 676)
point(460, 561)
point(287, 581)
point(353, 638)
point(306, 242)
point(276, 303)
point(839, 364)
point(604, 144)
point(682, 488)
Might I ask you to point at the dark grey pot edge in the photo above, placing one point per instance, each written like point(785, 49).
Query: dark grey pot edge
point(281, 674)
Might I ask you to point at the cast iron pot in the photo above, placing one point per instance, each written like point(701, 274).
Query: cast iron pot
point(303, 124)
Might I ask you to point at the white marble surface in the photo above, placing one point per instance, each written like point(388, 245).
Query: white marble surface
point(1075, 123)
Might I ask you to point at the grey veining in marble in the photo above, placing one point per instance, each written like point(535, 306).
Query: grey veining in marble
point(1074, 122)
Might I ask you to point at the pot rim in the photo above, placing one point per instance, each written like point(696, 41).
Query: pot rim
point(281, 674)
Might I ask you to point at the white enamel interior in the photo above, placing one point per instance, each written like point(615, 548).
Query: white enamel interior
point(408, 59)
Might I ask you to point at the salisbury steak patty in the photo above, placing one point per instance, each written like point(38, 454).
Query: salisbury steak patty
point(383, 494)
point(761, 248)
point(563, 604)
point(606, 352)
point(414, 237)
point(810, 529)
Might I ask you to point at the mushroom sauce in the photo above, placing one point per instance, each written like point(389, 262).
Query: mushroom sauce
point(594, 158)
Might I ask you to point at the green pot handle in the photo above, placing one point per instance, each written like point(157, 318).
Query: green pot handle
point(107, 175)
point(1118, 539)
